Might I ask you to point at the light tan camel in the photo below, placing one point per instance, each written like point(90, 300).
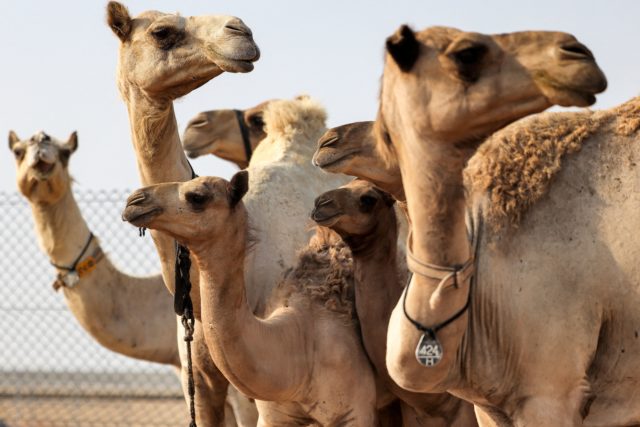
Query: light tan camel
point(126, 314)
point(351, 149)
point(163, 57)
point(542, 342)
point(219, 132)
point(305, 357)
point(365, 218)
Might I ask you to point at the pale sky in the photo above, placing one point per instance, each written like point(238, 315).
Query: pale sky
point(59, 59)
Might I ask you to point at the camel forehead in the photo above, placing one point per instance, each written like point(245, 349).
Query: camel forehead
point(145, 19)
point(358, 186)
point(41, 138)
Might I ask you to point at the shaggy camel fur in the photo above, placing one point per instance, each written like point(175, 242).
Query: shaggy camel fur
point(534, 345)
point(129, 315)
point(163, 57)
point(365, 218)
point(218, 132)
point(351, 149)
point(282, 179)
point(295, 357)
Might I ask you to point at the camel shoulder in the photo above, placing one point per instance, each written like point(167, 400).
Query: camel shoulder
point(515, 167)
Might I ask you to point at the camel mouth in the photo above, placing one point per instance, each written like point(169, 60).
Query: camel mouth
point(328, 162)
point(326, 219)
point(140, 216)
point(196, 150)
point(43, 169)
point(241, 61)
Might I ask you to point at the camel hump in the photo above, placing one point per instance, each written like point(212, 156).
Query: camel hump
point(515, 167)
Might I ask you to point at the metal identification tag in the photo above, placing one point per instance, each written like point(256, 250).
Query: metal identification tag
point(428, 351)
point(71, 279)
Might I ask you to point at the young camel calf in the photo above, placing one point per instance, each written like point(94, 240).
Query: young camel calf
point(304, 361)
point(365, 218)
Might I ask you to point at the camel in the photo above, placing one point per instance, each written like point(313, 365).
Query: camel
point(351, 149)
point(547, 271)
point(304, 360)
point(126, 314)
point(163, 57)
point(222, 133)
point(365, 218)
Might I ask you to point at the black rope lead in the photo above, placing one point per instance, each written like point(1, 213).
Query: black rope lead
point(244, 131)
point(431, 331)
point(183, 306)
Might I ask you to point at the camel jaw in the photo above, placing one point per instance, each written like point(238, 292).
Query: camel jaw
point(329, 161)
point(140, 216)
point(325, 219)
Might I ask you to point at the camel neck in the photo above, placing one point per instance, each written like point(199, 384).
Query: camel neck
point(142, 333)
point(61, 229)
point(253, 354)
point(377, 289)
point(156, 139)
point(160, 159)
point(436, 202)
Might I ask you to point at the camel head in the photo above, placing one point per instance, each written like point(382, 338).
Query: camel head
point(450, 85)
point(192, 211)
point(168, 55)
point(41, 161)
point(218, 132)
point(351, 149)
point(354, 210)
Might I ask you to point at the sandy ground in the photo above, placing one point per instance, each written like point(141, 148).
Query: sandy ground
point(92, 412)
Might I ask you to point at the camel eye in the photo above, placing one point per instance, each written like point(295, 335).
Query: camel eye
point(166, 37)
point(470, 55)
point(197, 200)
point(256, 122)
point(367, 203)
point(469, 61)
point(19, 153)
point(161, 33)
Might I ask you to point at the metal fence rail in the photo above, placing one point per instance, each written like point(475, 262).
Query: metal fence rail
point(52, 373)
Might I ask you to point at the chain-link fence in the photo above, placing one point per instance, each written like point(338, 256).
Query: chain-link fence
point(52, 373)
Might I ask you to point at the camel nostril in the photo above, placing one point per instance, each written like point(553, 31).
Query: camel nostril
point(576, 50)
point(198, 123)
point(328, 141)
point(136, 198)
point(322, 202)
point(238, 29)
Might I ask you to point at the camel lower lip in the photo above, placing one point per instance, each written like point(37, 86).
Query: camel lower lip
point(140, 219)
point(327, 220)
point(334, 162)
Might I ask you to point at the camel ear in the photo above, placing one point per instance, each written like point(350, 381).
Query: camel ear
point(404, 48)
point(72, 143)
point(13, 138)
point(119, 20)
point(255, 120)
point(386, 197)
point(238, 187)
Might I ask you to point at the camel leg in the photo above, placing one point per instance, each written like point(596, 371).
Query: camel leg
point(211, 385)
point(244, 409)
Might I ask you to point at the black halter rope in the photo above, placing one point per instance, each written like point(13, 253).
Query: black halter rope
point(78, 258)
point(244, 130)
point(183, 306)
